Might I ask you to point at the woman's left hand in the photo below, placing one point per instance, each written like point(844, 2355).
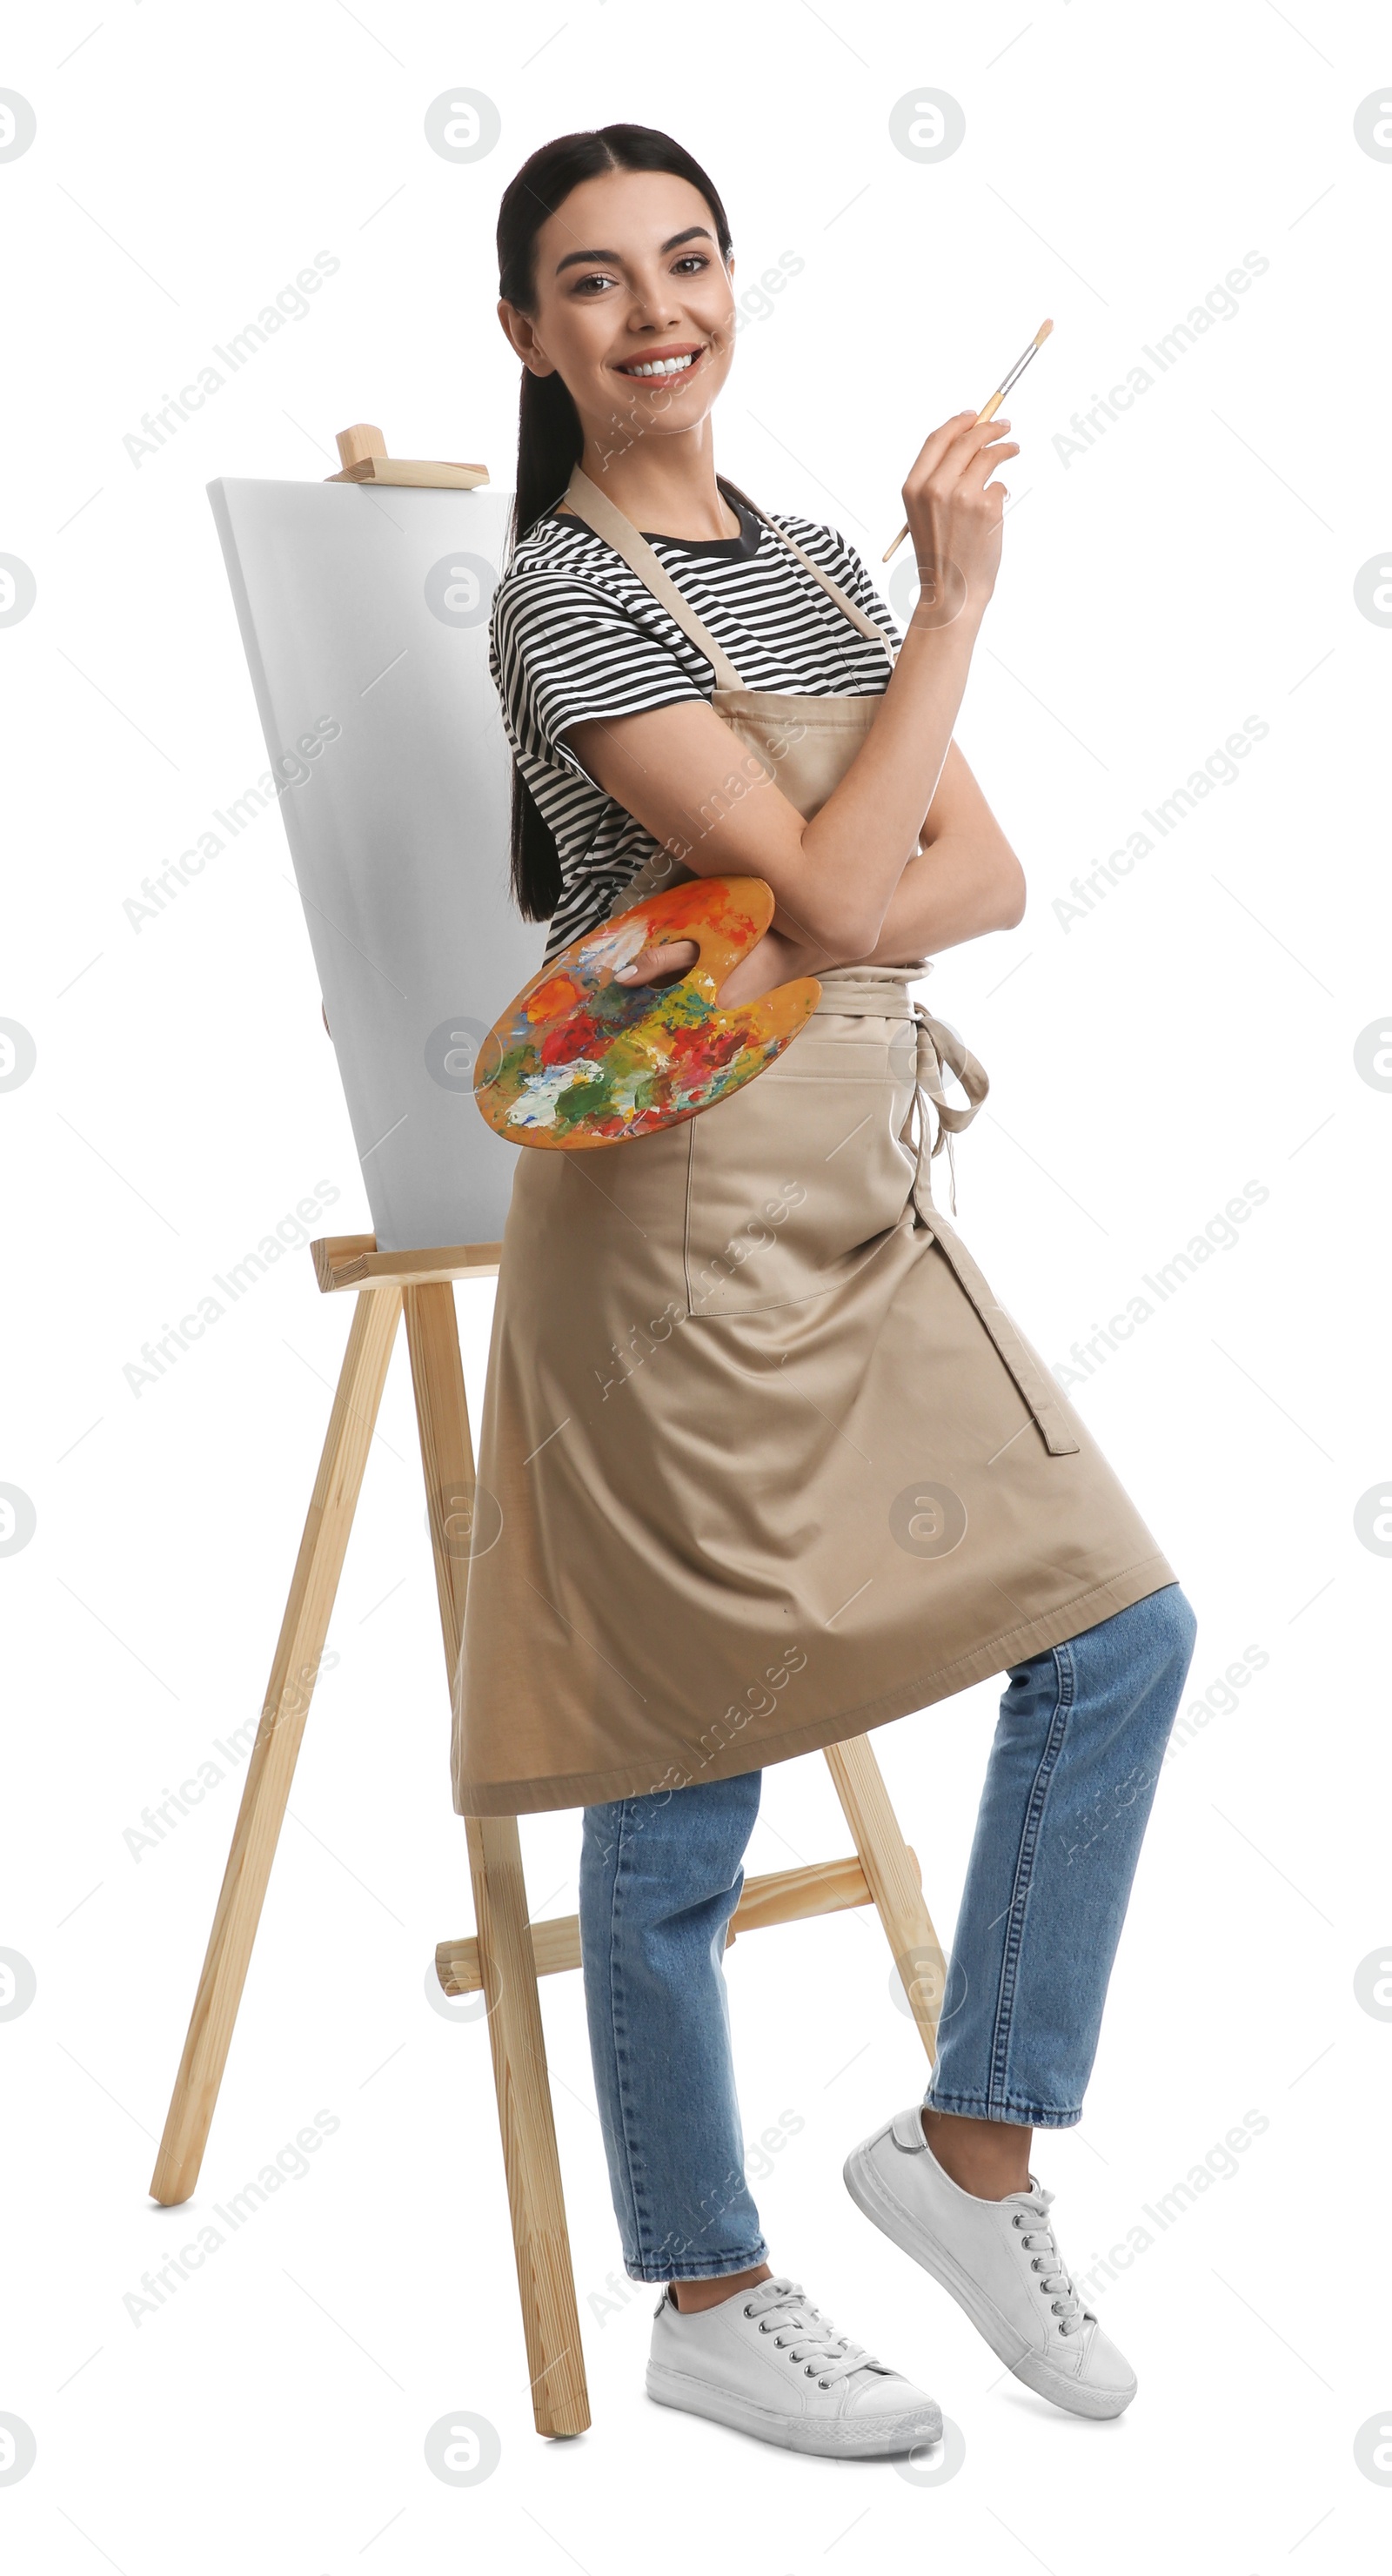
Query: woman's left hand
point(774, 959)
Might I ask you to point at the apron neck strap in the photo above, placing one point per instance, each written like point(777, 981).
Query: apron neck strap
point(857, 615)
point(597, 512)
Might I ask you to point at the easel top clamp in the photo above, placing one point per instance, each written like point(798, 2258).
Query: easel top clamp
point(364, 459)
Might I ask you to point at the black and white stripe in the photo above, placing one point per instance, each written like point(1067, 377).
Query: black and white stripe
point(575, 634)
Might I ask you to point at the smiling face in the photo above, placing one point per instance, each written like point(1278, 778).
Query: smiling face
point(635, 310)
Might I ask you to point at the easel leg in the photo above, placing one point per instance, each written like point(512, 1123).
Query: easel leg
point(545, 2277)
point(271, 1769)
point(884, 1857)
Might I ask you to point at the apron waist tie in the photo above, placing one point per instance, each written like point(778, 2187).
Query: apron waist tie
point(863, 995)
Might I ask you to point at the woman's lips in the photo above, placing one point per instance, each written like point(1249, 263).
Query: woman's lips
point(666, 375)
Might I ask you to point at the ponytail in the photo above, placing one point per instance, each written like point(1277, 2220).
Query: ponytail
point(550, 439)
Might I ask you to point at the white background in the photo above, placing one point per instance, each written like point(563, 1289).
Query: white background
point(1194, 566)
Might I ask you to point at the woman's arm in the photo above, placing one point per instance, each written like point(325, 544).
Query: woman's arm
point(966, 882)
point(686, 778)
point(705, 797)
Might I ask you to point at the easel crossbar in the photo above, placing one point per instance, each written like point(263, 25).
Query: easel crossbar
point(780, 1896)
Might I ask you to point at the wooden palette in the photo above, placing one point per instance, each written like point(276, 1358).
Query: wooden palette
point(579, 1060)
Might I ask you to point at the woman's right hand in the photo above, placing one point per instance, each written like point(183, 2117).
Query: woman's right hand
point(955, 512)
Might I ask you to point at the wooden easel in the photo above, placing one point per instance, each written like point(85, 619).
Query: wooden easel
point(506, 1953)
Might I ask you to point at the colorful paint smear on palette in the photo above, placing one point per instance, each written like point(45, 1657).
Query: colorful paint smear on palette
point(579, 1059)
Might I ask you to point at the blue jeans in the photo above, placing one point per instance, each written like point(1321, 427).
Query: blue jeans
point(1069, 1785)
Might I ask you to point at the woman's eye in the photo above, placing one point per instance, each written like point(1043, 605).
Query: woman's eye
point(694, 259)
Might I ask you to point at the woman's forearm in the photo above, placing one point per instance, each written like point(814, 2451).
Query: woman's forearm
point(953, 891)
point(856, 847)
point(966, 883)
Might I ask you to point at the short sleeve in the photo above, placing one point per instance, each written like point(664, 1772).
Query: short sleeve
point(565, 651)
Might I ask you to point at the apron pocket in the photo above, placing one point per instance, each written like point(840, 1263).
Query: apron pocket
point(795, 1181)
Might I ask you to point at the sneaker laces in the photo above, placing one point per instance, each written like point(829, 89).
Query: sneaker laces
point(807, 2336)
point(1040, 2242)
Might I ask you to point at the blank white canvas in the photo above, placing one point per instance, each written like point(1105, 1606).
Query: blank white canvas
point(367, 611)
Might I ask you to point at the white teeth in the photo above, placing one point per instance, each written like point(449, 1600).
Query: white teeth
point(663, 366)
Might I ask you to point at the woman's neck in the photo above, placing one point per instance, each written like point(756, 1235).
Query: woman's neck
point(673, 495)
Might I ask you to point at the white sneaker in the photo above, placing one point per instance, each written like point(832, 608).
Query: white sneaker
point(767, 2362)
point(1000, 2261)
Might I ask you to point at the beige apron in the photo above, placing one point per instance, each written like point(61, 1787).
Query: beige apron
point(763, 1461)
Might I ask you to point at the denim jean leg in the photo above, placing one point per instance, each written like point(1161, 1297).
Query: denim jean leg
point(660, 1878)
point(1068, 1793)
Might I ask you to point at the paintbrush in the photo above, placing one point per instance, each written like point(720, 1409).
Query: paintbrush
point(991, 409)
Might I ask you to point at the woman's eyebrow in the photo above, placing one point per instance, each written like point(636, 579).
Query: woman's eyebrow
point(694, 232)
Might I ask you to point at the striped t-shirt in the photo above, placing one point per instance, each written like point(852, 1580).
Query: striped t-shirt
point(575, 634)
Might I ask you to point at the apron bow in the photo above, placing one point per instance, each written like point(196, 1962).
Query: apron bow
point(938, 1045)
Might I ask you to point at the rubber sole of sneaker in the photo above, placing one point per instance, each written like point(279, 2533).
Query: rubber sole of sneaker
point(875, 2203)
point(831, 2437)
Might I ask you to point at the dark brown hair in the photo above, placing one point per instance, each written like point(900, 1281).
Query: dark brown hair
point(549, 435)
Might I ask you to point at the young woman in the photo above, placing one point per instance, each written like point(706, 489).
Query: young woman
point(764, 1462)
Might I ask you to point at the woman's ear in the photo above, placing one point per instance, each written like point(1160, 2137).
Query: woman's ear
point(520, 333)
